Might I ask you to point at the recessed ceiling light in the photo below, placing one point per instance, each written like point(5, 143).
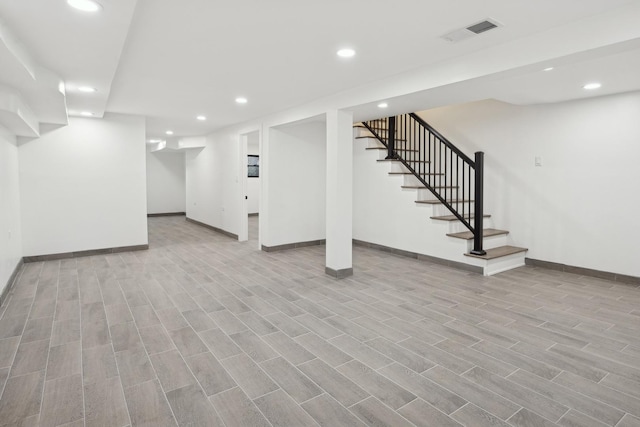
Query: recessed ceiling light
point(383, 105)
point(85, 5)
point(87, 89)
point(548, 69)
point(346, 53)
point(169, 132)
point(592, 86)
point(201, 118)
point(241, 100)
point(86, 114)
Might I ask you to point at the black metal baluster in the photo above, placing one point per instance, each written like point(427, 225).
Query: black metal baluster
point(391, 143)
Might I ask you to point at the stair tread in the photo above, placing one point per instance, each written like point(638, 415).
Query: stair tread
point(396, 160)
point(385, 148)
point(421, 187)
point(499, 252)
point(454, 218)
point(373, 137)
point(438, 202)
point(410, 173)
point(487, 232)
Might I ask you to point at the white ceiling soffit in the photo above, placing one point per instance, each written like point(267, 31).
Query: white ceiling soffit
point(83, 49)
point(29, 93)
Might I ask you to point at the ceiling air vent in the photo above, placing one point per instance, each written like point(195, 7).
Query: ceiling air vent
point(471, 30)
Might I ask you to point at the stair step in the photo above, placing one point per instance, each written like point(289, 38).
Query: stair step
point(498, 252)
point(422, 187)
point(396, 160)
point(411, 173)
point(454, 218)
point(371, 136)
point(487, 232)
point(438, 202)
point(385, 148)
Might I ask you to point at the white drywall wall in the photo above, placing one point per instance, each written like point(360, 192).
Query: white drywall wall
point(83, 186)
point(253, 184)
point(10, 229)
point(213, 191)
point(296, 184)
point(580, 207)
point(166, 188)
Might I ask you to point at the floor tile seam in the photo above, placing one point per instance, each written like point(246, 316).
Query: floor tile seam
point(571, 408)
point(468, 403)
point(46, 369)
point(115, 361)
point(378, 373)
point(595, 334)
point(462, 332)
point(485, 355)
point(7, 302)
point(512, 401)
point(540, 415)
point(618, 423)
point(296, 367)
point(322, 389)
point(244, 392)
point(354, 357)
point(384, 404)
point(489, 392)
point(4, 386)
point(608, 387)
point(607, 358)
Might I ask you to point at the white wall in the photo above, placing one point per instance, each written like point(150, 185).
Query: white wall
point(253, 184)
point(580, 208)
point(213, 192)
point(10, 229)
point(83, 186)
point(166, 187)
point(296, 184)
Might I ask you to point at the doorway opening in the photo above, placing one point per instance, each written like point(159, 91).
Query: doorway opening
point(251, 176)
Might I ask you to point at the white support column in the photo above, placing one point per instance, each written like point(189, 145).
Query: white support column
point(339, 216)
point(263, 218)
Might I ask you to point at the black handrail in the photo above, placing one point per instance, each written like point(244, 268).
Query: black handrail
point(442, 138)
point(438, 165)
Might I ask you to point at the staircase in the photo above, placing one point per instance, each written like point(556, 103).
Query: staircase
point(448, 186)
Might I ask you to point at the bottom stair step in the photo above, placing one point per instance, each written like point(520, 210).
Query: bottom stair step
point(499, 252)
point(487, 232)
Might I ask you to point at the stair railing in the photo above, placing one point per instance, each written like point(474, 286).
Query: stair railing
point(453, 177)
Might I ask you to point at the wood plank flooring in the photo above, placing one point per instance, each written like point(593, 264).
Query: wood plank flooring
point(201, 330)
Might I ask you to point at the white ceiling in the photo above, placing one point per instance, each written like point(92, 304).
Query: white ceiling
point(172, 60)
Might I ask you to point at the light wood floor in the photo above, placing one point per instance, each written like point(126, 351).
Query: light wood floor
point(203, 330)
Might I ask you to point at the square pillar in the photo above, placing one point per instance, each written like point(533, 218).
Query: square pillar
point(339, 202)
